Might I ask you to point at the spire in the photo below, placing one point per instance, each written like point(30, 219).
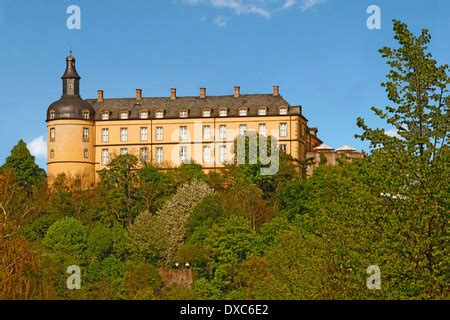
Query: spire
point(71, 71)
point(71, 78)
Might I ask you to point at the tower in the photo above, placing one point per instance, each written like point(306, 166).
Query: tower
point(70, 131)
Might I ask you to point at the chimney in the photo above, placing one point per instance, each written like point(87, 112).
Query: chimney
point(173, 94)
point(202, 93)
point(138, 94)
point(100, 95)
point(276, 91)
point(237, 91)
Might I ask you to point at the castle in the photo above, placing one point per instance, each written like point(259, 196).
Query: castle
point(84, 135)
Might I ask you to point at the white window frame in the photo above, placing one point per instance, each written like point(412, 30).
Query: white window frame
point(105, 116)
point(105, 157)
point(123, 134)
point(243, 112)
point(183, 154)
point(123, 151)
point(206, 113)
point(242, 129)
point(283, 130)
point(222, 154)
point(183, 133)
point(159, 155)
point(159, 133)
point(262, 111)
point(283, 111)
point(124, 115)
point(184, 113)
point(223, 131)
point(86, 114)
point(144, 133)
point(223, 112)
point(207, 154)
point(143, 155)
point(159, 114)
point(105, 135)
point(85, 134)
point(262, 132)
point(52, 115)
point(206, 132)
point(143, 114)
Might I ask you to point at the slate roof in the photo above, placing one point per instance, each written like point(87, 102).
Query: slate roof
point(195, 105)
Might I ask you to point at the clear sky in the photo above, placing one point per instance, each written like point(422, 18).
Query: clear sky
point(320, 52)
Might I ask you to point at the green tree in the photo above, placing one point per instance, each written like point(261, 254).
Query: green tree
point(23, 164)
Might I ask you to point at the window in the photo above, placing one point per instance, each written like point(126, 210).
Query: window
point(283, 111)
point(144, 155)
point(242, 112)
point(105, 135)
point(52, 134)
point(85, 115)
point(283, 148)
point(222, 154)
point(207, 154)
point(206, 113)
point(159, 133)
point(206, 132)
point(283, 129)
point(105, 157)
point(105, 115)
point(144, 134)
point(123, 151)
point(123, 134)
point(85, 134)
point(143, 114)
point(52, 153)
point(124, 115)
point(159, 155)
point(183, 154)
point(222, 131)
point(262, 129)
point(242, 129)
point(183, 113)
point(262, 111)
point(52, 115)
point(86, 153)
point(183, 133)
point(159, 114)
point(223, 112)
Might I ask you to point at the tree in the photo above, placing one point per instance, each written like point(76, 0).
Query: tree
point(119, 189)
point(176, 211)
point(155, 186)
point(147, 237)
point(413, 165)
point(66, 241)
point(23, 164)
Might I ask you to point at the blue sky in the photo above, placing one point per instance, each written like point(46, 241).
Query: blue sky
point(320, 52)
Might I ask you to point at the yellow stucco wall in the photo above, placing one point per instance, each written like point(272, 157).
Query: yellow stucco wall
point(68, 147)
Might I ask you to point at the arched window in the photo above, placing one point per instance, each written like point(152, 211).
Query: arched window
point(52, 115)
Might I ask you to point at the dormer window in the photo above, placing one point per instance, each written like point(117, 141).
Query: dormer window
point(124, 115)
point(206, 113)
point(52, 115)
point(183, 113)
point(262, 111)
point(223, 112)
point(143, 114)
point(243, 112)
point(283, 111)
point(159, 114)
point(105, 115)
point(85, 114)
